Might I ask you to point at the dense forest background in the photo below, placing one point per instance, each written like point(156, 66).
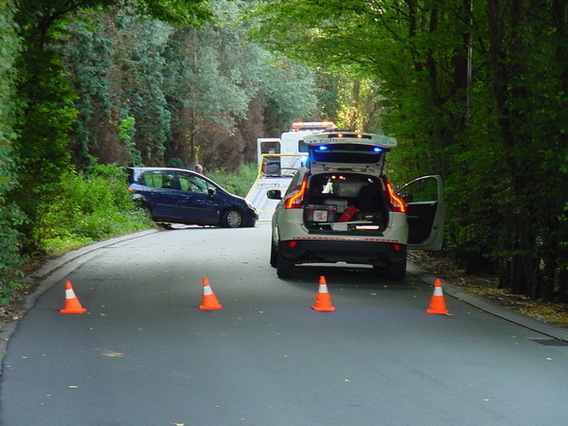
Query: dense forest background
point(474, 90)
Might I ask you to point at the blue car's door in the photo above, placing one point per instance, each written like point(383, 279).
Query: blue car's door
point(199, 199)
point(159, 189)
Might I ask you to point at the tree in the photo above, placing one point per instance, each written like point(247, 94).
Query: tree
point(47, 115)
point(10, 215)
point(407, 49)
point(474, 90)
point(88, 56)
point(217, 81)
point(528, 73)
point(187, 93)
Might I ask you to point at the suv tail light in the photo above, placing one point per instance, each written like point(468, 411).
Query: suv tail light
point(296, 199)
point(396, 202)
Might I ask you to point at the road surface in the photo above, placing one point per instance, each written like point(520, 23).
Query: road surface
point(144, 354)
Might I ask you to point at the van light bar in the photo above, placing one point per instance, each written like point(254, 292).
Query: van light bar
point(313, 125)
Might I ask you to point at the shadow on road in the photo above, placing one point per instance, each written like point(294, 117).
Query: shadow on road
point(364, 277)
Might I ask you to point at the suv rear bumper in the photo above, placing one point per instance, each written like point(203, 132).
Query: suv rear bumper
point(363, 252)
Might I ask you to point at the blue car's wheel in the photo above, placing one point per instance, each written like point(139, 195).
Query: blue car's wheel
point(232, 218)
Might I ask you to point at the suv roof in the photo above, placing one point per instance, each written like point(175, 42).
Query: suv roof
point(348, 151)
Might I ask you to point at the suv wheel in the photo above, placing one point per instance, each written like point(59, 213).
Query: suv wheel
point(284, 266)
point(273, 253)
point(232, 218)
point(396, 271)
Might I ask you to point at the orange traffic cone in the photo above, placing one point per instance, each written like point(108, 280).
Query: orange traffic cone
point(437, 302)
point(323, 299)
point(72, 304)
point(209, 300)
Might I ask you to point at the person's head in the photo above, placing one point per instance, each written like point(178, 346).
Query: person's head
point(199, 168)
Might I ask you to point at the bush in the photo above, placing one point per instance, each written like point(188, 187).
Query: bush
point(10, 258)
point(89, 207)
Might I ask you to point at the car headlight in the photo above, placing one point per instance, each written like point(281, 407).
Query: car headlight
point(250, 206)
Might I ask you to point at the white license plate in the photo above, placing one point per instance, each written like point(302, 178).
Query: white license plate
point(320, 215)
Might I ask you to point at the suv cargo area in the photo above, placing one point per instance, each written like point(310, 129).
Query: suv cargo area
point(347, 203)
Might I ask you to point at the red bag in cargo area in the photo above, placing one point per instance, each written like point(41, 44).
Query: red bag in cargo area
point(347, 214)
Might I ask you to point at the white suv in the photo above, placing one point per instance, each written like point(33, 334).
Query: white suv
point(340, 207)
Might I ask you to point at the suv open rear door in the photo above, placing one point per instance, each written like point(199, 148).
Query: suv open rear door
point(348, 151)
point(424, 199)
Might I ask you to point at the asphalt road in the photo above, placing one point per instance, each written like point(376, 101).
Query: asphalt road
point(144, 354)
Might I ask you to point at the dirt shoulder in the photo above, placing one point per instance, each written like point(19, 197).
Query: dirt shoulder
point(487, 287)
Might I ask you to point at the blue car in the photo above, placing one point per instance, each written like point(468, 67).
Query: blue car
point(182, 196)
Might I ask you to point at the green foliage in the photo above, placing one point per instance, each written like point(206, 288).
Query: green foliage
point(11, 217)
point(289, 89)
point(44, 122)
point(101, 81)
point(193, 12)
point(10, 258)
point(44, 132)
point(87, 207)
point(216, 79)
point(126, 129)
point(239, 182)
point(191, 91)
point(87, 59)
point(497, 135)
point(51, 102)
point(38, 117)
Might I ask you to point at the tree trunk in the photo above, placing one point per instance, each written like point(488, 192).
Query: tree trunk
point(507, 72)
